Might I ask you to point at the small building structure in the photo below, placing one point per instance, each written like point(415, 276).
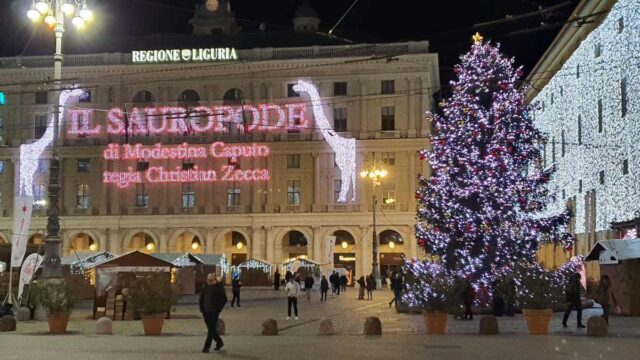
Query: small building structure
point(255, 272)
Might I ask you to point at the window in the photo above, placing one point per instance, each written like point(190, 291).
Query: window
point(579, 130)
point(82, 198)
point(189, 98)
point(551, 98)
point(1, 131)
point(625, 167)
point(82, 166)
point(340, 119)
point(340, 88)
point(601, 175)
point(389, 158)
point(41, 97)
point(39, 126)
point(293, 192)
point(564, 194)
point(85, 97)
point(600, 122)
point(561, 91)
point(337, 185)
point(187, 165)
point(623, 97)
point(39, 196)
point(233, 196)
point(142, 196)
point(620, 25)
point(142, 166)
point(578, 71)
point(143, 97)
point(597, 50)
point(387, 87)
point(3, 98)
point(293, 161)
point(188, 196)
point(388, 192)
point(580, 186)
point(553, 150)
point(388, 118)
point(291, 92)
point(562, 147)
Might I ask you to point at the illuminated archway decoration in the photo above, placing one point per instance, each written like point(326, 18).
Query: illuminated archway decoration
point(345, 149)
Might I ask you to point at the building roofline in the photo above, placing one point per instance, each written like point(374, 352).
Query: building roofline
point(565, 43)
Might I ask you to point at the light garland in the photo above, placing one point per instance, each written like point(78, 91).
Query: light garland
point(571, 96)
point(344, 149)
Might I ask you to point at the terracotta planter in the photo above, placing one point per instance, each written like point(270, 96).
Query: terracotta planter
point(58, 322)
point(436, 322)
point(152, 324)
point(537, 320)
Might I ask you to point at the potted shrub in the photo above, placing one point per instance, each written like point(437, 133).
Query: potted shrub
point(429, 287)
point(152, 297)
point(57, 297)
point(536, 295)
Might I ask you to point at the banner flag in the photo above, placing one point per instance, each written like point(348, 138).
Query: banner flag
point(22, 207)
point(29, 267)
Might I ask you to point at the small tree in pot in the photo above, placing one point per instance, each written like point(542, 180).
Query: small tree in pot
point(538, 292)
point(152, 296)
point(58, 297)
point(430, 287)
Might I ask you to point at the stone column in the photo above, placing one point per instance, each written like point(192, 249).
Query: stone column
point(316, 183)
point(411, 103)
point(269, 244)
point(413, 179)
point(163, 238)
point(113, 241)
point(365, 250)
point(363, 110)
point(257, 243)
point(317, 244)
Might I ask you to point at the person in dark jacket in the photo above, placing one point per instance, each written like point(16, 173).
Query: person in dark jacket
point(276, 280)
point(324, 288)
point(369, 281)
point(287, 276)
point(333, 279)
point(308, 285)
point(343, 283)
point(212, 300)
point(396, 287)
point(362, 283)
point(572, 293)
point(467, 299)
point(235, 289)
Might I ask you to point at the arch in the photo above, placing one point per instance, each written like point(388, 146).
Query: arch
point(389, 235)
point(233, 96)
point(126, 240)
point(68, 238)
point(189, 98)
point(344, 240)
point(174, 237)
point(294, 242)
point(144, 97)
point(36, 239)
point(219, 244)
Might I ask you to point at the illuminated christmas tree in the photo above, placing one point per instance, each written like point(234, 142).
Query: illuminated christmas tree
point(480, 212)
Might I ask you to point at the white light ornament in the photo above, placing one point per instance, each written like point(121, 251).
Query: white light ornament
point(344, 149)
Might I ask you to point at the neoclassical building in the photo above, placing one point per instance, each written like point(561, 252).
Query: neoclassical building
point(201, 142)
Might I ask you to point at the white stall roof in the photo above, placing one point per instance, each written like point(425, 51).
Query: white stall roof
point(614, 251)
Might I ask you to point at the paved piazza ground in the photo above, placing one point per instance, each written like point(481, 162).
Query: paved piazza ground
point(403, 335)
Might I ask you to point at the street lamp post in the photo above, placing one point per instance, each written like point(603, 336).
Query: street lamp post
point(375, 171)
point(53, 12)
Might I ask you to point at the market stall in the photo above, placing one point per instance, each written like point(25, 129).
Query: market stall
point(115, 277)
point(254, 272)
point(302, 267)
point(620, 260)
point(79, 267)
point(183, 274)
point(210, 263)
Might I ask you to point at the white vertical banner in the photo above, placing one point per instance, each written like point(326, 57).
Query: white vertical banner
point(331, 247)
point(22, 207)
point(29, 267)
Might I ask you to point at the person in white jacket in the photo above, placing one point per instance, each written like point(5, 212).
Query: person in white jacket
point(293, 290)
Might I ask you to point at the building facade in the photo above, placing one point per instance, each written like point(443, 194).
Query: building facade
point(146, 123)
point(586, 87)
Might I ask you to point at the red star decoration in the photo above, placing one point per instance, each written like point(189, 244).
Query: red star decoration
point(24, 209)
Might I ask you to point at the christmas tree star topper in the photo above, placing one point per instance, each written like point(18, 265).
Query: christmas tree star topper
point(477, 38)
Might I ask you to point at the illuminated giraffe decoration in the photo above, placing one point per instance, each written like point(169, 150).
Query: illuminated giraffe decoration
point(345, 149)
point(30, 153)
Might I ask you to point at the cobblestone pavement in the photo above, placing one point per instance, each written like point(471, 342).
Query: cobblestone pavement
point(403, 335)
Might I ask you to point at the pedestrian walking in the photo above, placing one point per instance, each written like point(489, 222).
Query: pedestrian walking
point(467, 299)
point(235, 289)
point(324, 288)
point(396, 287)
point(308, 285)
point(343, 283)
point(509, 296)
point(361, 286)
point(288, 276)
point(212, 301)
point(369, 285)
point(572, 294)
point(276, 280)
point(335, 283)
point(293, 290)
point(604, 295)
point(498, 297)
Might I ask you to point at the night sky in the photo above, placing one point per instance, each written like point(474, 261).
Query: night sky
point(447, 24)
